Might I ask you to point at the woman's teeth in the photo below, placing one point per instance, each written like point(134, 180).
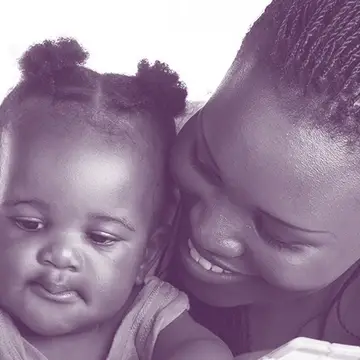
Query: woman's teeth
point(206, 264)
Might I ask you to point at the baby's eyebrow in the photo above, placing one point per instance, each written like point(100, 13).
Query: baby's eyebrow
point(32, 202)
point(124, 221)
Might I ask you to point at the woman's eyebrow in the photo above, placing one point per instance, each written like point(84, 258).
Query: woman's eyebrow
point(292, 226)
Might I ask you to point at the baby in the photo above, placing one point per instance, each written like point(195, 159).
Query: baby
point(84, 211)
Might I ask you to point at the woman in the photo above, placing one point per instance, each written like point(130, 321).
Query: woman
point(269, 171)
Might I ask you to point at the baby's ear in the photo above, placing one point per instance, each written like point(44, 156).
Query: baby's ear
point(153, 253)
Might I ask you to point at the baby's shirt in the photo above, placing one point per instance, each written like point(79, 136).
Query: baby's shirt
point(156, 306)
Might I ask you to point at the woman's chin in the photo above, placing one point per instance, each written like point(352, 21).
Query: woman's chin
point(249, 291)
point(220, 295)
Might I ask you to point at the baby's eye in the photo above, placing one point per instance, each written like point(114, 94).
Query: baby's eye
point(28, 224)
point(102, 238)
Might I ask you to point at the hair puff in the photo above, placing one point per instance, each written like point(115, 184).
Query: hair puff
point(162, 87)
point(45, 59)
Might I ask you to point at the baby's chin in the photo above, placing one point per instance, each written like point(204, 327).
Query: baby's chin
point(39, 323)
point(46, 326)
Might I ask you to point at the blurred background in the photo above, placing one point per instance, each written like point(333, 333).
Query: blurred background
point(197, 38)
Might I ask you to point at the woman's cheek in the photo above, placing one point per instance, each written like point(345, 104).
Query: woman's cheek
point(291, 269)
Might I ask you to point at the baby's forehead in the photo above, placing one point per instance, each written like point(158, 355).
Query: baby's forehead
point(36, 120)
point(44, 116)
point(65, 134)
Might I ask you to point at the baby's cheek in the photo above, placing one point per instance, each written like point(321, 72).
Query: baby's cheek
point(17, 268)
point(115, 279)
point(119, 265)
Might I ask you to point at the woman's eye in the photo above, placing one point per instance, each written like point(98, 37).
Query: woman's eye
point(28, 224)
point(273, 240)
point(279, 244)
point(101, 238)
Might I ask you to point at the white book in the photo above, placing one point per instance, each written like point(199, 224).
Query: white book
point(309, 349)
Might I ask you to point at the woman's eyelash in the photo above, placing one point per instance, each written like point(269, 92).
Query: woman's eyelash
point(274, 241)
point(279, 244)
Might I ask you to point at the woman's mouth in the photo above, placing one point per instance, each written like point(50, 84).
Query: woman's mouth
point(204, 269)
point(206, 264)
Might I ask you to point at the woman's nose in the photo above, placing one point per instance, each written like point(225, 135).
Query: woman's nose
point(61, 254)
point(217, 229)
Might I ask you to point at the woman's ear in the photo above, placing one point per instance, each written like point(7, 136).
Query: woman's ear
point(153, 253)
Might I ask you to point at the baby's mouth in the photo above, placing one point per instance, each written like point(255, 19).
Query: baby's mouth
point(55, 287)
point(55, 293)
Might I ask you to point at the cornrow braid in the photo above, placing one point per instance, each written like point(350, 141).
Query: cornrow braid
point(314, 45)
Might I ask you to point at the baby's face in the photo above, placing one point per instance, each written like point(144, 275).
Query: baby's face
point(273, 204)
point(75, 221)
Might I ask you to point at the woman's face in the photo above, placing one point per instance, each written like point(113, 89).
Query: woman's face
point(273, 207)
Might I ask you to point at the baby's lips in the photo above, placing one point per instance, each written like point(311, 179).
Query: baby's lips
point(56, 282)
point(56, 288)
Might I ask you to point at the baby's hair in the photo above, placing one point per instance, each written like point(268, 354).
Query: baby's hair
point(55, 70)
point(314, 45)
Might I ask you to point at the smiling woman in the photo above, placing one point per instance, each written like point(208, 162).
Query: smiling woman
point(269, 175)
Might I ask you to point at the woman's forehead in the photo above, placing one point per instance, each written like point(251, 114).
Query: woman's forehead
point(259, 148)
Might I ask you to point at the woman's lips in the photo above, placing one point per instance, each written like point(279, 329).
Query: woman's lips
point(205, 263)
point(209, 269)
point(228, 265)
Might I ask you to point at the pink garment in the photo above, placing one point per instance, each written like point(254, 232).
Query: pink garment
point(156, 306)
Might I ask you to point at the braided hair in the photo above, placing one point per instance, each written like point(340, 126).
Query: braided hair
point(314, 46)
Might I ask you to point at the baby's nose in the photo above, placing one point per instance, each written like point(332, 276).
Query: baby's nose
point(61, 254)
